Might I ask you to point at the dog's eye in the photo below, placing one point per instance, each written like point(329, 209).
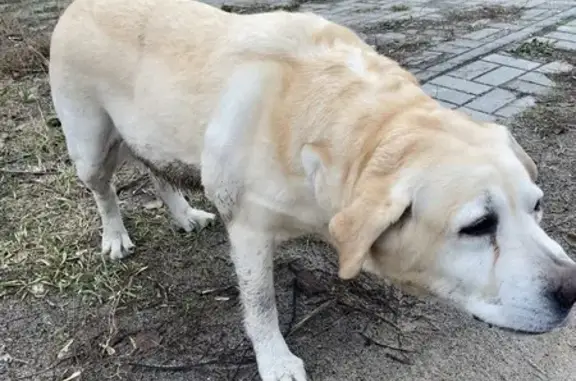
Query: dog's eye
point(484, 226)
point(538, 206)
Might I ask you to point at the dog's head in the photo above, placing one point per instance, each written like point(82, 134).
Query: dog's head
point(457, 214)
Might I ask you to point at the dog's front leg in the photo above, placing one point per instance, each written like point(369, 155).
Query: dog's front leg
point(252, 253)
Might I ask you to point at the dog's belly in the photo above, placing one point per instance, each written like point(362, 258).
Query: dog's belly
point(163, 125)
point(170, 148)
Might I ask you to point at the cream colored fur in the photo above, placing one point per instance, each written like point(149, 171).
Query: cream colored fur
point(300, 127)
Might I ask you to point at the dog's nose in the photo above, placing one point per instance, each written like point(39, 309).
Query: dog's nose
point(565, 295)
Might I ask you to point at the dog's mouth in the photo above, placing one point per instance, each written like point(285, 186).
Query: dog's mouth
point(482, 321)
point(507, 329)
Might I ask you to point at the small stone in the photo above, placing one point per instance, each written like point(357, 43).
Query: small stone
point(38, 290)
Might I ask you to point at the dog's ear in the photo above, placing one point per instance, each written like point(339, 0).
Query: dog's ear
point(524, 158)
point(355, 229)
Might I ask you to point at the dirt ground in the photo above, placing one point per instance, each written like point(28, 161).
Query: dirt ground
point(171, 311)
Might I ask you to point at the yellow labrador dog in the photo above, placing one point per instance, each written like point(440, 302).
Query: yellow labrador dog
point(297, 127)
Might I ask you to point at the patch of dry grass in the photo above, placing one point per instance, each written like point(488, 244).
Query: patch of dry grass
point(555, 112)
point(22, 52)
point(50, 235)
point(494, 12)
point(49, 226)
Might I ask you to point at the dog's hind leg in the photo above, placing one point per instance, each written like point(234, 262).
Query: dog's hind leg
point(186, 217)
point(94, 146)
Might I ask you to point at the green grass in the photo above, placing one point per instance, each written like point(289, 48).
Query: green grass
point(400, 8)
point(535, 48)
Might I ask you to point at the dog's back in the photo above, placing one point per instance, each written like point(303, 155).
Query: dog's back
point(160, 65)
point(140, 62)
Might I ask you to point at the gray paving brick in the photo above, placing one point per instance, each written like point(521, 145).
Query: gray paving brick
point(527, 87)
point(537, 78)
point(544, 15)
point(566, 45)
point(481, 34)
point(425, 74)
point(449, 48)
point(460, 84)
point(478, 115)
point(499, 76)
point(423, 58)
point(532, 13)
point(474, 69)
point(501, 33)
point(555, 4)
point(466, 43)
point(562, 36)
point(447, 95)
point(492, 101)
point(533, 3)
point(486, 48)
point(508, 26)
point(555, 67)
point(447, 104)
point(516, 107)
point(567, 29)
point(512, 61)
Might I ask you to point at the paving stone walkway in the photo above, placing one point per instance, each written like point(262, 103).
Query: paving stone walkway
point(498, 86)
point(464, 63)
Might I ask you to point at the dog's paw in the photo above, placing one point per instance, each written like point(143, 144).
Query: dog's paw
point(285, 368)
point(117, 243)
point(193, 219)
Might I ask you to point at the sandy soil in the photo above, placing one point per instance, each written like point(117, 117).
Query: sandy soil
point(171, 312)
